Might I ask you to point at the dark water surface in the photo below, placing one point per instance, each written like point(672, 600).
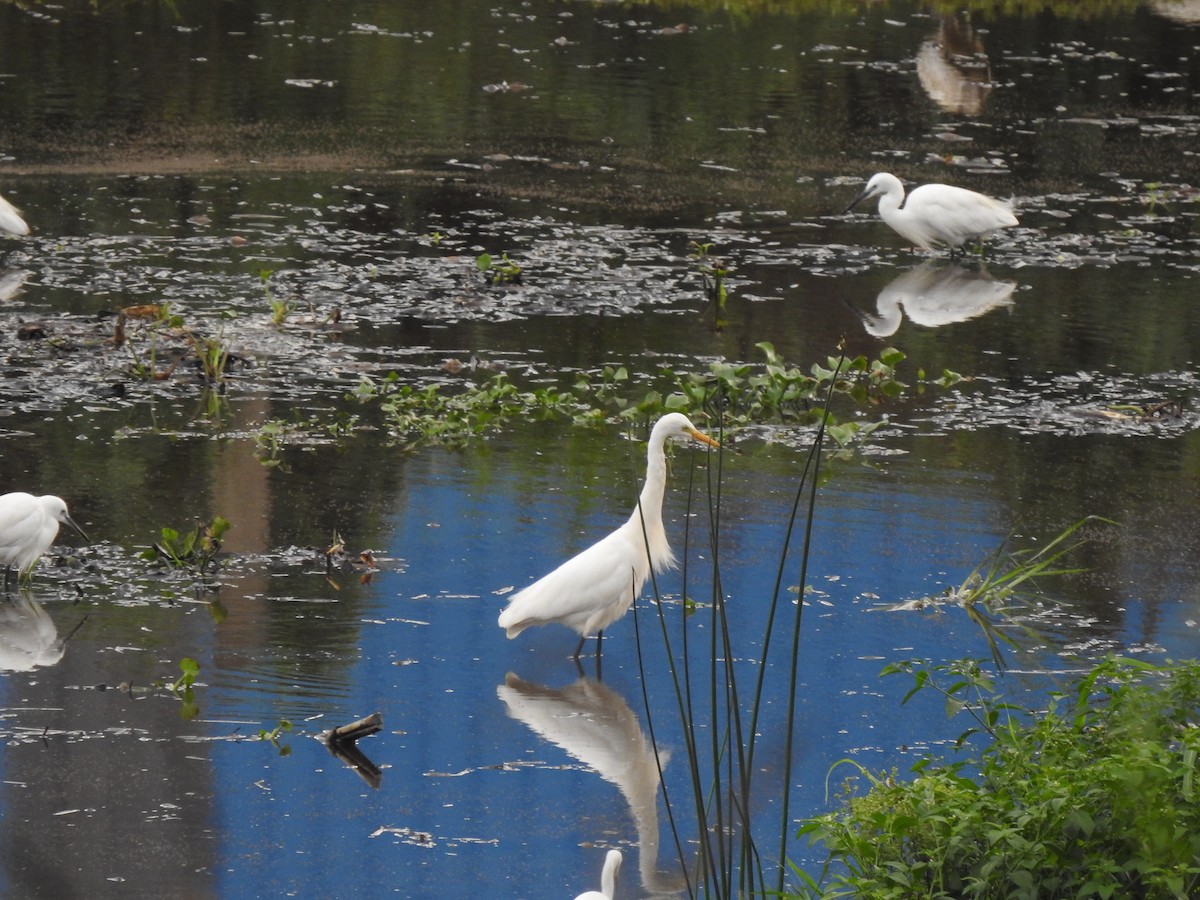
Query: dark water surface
point(355, 158)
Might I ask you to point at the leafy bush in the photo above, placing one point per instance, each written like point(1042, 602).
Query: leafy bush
point(1095, 796)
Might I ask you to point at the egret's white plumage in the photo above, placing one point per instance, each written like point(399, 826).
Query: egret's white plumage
point(608, 878)
point(592, 590)
point(936, 213)
point(10, 219)
point(28, 526)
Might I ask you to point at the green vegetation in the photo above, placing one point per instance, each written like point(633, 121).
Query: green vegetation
point(273, 736)
point(773, 392)
point(194, 550)
point(1095, 796)
point(713, 272)
point(272, 436)
point(1005, 576)
point(498, 271)
point(280, 307)
point(182, 687)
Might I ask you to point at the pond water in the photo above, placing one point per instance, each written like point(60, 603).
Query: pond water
point(349, 162)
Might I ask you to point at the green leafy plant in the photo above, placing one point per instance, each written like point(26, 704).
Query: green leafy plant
point(435, 415)
point(1005, 577)
point(498, 271)
point(273, 736)
point(182, 687)
point(1094, 796)
point(280, 307)
point(736, 394)
point(195, 549)
point(713, 272)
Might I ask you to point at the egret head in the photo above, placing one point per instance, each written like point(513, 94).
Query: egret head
point(677, 426)
point(881, 183)
point(56, 508)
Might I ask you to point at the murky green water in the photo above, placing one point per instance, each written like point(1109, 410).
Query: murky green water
point(351, 161)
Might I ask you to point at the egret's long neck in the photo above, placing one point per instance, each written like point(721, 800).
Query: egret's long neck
point(889, 203)
point(651, 498)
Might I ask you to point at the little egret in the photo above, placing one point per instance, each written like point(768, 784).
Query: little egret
point(592, 590)
point(608, 878)
point(28, 526)
point(10, 219)
point(936, 213)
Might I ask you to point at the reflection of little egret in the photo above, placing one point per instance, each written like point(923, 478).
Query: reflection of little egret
point(10, 219)
point(592, 590)
point(28, 526)
point(936, 213)
point(608, 878)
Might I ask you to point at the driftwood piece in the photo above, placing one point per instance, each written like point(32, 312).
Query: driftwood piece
point(341, 743)
point(348, 734)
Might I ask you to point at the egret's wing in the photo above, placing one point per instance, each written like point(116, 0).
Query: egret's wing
point(602, 577)
point(20, 521)
point(10, 219)
point(957, 211)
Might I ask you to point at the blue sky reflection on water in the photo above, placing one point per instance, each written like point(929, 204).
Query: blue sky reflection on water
point(430, 658)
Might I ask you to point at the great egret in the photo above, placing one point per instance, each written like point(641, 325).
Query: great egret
point(28, 526)
point(608, 878)
point(592, 590)
point(10, 219)
point(936, 213)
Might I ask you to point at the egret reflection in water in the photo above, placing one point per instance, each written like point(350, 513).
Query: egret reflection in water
point(934, 294)
point(28, 636)
point(953, 68)
point(11, 282)
point(595, 725)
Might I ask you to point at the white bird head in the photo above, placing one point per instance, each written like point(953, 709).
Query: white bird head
point(677, 426)
point(56, 508)
point(881, 183)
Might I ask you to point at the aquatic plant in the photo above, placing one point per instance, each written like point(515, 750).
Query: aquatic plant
point(273, 734)
point(280, 307)
point(721, 734)
point(1094, 796)
point(1004, 576)
point(194, 550)
point(213, 356)
point(433, 414)
point(736, 395)
point(498, 271)
point(182, 687)
point(713, 272)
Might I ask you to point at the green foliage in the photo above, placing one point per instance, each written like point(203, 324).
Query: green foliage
point(280, 307)
point(713, 272)
point(273, 736)
point(272, 436)
point(1093, 797)
point(189, 669)
point(182, 687)
point(431, 414)
point(213, 356)
point(498, 271)
point(195, 549)
point(1005, 576)
point(741, 394)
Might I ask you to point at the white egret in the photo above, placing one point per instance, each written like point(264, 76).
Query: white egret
point(592, 590)
point(608, 878)
point(10, 219)
point(936, 213)
point(28, 526)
